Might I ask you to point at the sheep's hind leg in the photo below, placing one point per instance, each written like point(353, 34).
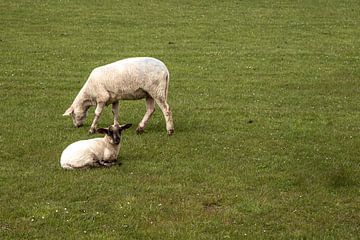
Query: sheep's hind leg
point(150, 108)
point(99, 108)
point(167, 115)
point(115, 111)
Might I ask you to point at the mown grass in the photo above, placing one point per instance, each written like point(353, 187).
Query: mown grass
point(265, 97)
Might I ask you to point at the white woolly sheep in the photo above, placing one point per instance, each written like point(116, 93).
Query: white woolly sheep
point(127, 79)
point(94, 152)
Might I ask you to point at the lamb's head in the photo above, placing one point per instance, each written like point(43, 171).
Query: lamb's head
point(113, 132)
point(78, 115)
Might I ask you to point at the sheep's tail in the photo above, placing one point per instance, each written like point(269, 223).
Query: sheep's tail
point(159, 90)
point(167, 78)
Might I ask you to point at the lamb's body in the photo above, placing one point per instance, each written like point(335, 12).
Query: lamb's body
point(89, 153)
point(127, 79)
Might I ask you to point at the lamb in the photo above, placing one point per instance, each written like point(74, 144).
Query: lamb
point(94, 152)
point(127, 79)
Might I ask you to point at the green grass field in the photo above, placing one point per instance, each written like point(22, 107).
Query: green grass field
point(265, 98)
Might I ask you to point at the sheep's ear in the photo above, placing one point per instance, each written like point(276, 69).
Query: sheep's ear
point(69, 111)
point(125, 126)
point(103, 131)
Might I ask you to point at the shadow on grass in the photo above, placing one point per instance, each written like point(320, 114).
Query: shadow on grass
point(341, 177)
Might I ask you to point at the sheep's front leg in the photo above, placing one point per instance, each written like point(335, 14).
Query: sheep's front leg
point(99, 108)
point(115, 111)
point(150, 108)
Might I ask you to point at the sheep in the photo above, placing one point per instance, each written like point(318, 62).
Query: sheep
point(94, 152)
point(127, 79)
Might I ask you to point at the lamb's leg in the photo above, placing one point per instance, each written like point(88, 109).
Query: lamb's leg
point(115, 111)
point(150, 108)
point(107, 163)
point(167, 115)
point(99, 108)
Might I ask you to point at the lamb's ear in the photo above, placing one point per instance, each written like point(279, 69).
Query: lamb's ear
point(103, 131)
point(125, 126)
point(69, 111)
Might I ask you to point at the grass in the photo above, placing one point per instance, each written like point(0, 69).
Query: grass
point(265, 97)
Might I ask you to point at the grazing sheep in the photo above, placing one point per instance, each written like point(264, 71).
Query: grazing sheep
point(127, 79)
point(94, 152)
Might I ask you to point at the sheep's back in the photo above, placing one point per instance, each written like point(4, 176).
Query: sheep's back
point(130, 78)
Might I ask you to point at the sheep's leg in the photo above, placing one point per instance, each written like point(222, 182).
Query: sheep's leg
point(115, 111)
point(150, 108)
point(167, 115)
point(99, 108)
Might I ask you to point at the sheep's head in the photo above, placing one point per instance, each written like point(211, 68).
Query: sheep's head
point(113, 132)
point(78, 115)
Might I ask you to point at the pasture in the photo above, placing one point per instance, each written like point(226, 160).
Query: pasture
point(265, 100)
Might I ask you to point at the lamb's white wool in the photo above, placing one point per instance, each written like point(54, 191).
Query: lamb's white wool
point(88, 153)
point(127, 79)
point(94, 152)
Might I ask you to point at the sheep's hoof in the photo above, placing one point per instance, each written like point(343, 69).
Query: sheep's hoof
point(170, 132)
point(140, 130)
point(92, 130)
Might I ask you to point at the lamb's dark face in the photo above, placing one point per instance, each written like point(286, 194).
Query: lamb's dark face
point(114, 132)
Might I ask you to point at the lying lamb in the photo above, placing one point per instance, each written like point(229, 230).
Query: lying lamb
point(94, 152)
point(127, 79)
